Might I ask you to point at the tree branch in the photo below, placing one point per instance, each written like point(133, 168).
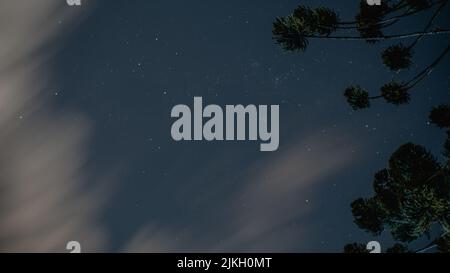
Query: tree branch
point(433, 18)
point(426, 248)
point(384, 38)
point(421, 76)
point(427, 71)
point(394, 18)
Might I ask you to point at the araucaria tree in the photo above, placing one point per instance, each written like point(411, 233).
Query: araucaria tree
point(412, 194)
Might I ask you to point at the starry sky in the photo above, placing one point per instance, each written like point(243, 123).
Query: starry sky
point(126, 64)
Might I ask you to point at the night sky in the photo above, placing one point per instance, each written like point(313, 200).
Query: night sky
point(125, 64)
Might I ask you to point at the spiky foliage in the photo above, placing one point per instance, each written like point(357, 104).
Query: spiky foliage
point(443, 243)
point(447, 146)
point(327, 20)
point(288, 33)
point(405, 201)
point(292, 31)
point(369, 20)
point(397, 57)
point(395, 93)
point(355, 248)
point(357, 97)
point(409, 196)
point(440, 116)
point(366, 214)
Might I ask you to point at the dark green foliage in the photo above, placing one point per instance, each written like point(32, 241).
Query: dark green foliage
point(326, 19)
point(447, 146)
point(288, 33)
point(357, 97)
point(398, 248)
point(413, 192)
point(443, 243)
point(355, 248)
point(395, 93)
point(366, 213)
point(397, 57)
point(409, 196)
point(292, 32)
point(320, 21)
point(440, 116)
point(385, 194)
point(368, 20)
point(411, 165)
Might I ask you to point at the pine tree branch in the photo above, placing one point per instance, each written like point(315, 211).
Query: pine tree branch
point(382, 24)
point(394, 18)
point(419, 77)
point(395, 8)
point(430, 23)
point(426, 248)
point(375, 97)
point(427, 71)
point(383, 38)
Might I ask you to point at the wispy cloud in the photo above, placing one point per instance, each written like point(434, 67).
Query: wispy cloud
point(44, 196)
point(267, 212)
point(44, 201)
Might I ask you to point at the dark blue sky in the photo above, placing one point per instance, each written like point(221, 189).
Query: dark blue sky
point(129, 62)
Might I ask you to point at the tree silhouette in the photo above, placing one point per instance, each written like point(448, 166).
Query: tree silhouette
point(293, 33)
point(397, 57)
point(443, 243)
point(412, 194)
point(398, 248)
point(412, 197)
point(357, 97)
point(447, 147)
point(355, 248)
point(440, 116)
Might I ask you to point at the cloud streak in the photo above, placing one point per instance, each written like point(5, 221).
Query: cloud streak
point(44, 201)
point(267, 211)
point(45, 198)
